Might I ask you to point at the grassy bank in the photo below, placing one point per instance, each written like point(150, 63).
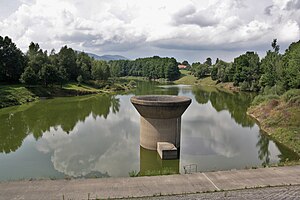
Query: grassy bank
point(188, 79)
point(11, 95)
point(279, 116)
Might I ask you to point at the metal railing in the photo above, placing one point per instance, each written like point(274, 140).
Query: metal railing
point(189, 169)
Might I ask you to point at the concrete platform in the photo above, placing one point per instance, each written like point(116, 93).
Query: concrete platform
point(150, 186)
point(167, 151)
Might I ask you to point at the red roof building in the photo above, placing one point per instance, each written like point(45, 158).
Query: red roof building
point(182, 66)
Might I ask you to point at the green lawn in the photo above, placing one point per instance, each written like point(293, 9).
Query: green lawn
point(11, 95)
point(186, 78)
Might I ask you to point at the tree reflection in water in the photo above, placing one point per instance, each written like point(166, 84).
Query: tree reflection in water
point(236, 103)
point(36, 118)
point(264, 154)
point(263, 149)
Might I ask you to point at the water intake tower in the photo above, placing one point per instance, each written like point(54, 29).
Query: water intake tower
point(160, 122)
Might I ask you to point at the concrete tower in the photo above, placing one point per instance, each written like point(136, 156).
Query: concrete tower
point(160, 118)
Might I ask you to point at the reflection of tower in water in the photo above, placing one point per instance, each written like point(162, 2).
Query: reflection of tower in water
point(152, 164)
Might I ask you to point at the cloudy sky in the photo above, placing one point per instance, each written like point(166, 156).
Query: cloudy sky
point(185, 29)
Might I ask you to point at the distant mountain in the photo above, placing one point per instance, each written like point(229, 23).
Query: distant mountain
point(107, 57)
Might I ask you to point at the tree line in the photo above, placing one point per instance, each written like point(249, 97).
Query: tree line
point(37, 66)
point(275, 72)
point(153, 68)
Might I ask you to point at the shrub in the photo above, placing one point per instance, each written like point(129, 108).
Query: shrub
point(294, 101)
point(276, 89)
point(133, 173)
point(245, 86)
point(263, 98)
point(291, 94)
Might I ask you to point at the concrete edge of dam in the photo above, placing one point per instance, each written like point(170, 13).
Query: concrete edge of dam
point(150, 186)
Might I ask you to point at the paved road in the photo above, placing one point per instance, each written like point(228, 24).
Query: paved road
point(151, 186)
point(268, 193)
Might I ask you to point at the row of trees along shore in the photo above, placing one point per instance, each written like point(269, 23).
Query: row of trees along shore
point(39, 67)
point(275, 73)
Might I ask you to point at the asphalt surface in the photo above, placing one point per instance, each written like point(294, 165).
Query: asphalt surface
point(267, 193)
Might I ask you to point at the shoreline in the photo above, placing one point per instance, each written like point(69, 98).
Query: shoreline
point(267, 132)
point(278, 122)
point(188, 79)
point(17, 95)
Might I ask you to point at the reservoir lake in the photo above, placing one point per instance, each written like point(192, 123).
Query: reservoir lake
point(97, 136)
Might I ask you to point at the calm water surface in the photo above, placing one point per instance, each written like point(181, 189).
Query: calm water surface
point(98, 136)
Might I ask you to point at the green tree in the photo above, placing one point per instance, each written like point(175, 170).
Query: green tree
point(106, 72)
point(79, 79)
point(114, 68)
point(172, 71)
point(67, 60)
point(12, 61)
point(36, 57)
point(200, 70)
point(247, 70)
point(208, 61)
point(220, 71)
point(62, 76)
point(84, 64)
point(229, 71)
point(100, 70)
point(275, 46)
point(48, 74)
point(217, 60)
point(292, 66)
point(214, 73)
point(29, 77)
point(271, 67)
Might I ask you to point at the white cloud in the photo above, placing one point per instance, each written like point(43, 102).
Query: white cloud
point(136, 26)
point(289, 31)
point(96, 144)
